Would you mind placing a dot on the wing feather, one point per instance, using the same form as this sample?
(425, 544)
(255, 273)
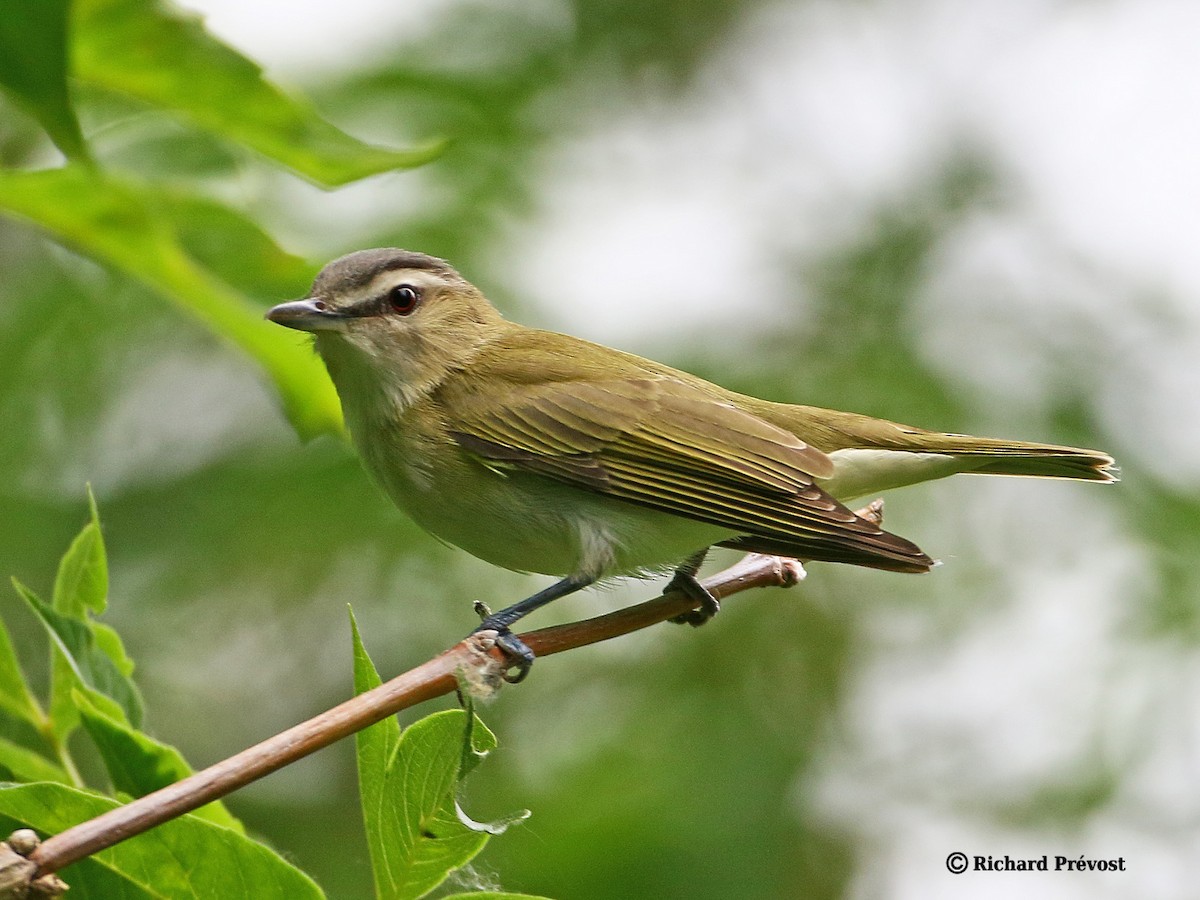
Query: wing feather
(664, 444)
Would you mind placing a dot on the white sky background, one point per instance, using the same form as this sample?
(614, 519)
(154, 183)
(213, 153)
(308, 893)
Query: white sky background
(792, 135)
(1093, 105)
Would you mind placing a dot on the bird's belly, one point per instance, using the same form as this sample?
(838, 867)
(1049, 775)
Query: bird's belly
(532, 524)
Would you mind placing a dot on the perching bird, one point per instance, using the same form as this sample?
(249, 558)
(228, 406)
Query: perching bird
(541, 452)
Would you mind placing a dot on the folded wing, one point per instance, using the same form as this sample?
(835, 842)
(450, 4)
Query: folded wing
(662, 443)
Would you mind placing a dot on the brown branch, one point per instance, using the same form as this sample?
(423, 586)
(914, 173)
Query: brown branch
(474, 662)
(476, 659)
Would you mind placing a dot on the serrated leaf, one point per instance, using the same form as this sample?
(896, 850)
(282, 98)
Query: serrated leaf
(89, 665)
(136, 762)
(82, 579)
(183, 859)
(147, 50)
(33, 66)
(15, 698)
(130, 227)
(19, 763)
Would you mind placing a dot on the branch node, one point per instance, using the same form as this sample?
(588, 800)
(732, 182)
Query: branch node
(24, 841)
(48, 886)
(791, 571)
(16, 874)
(480, 665)
(481, 671)
(17, 881)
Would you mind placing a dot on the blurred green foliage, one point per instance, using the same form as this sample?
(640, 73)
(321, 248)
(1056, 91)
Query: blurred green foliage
(33, 67)
(91, 686)
(409, 781)
(673, 764)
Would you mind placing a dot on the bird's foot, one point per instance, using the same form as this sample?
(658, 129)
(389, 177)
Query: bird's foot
(520, 657)
(687, 584)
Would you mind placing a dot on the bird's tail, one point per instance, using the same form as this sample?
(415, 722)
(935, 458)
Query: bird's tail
(988, 456)
(834, 431)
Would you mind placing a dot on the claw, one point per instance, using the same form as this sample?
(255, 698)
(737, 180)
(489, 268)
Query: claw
(687, 584)
(520, 657)
(518, 652)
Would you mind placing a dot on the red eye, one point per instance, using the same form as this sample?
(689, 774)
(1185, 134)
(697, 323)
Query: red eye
(403, 298)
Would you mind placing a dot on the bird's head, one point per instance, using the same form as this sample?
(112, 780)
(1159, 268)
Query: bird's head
(392, 318)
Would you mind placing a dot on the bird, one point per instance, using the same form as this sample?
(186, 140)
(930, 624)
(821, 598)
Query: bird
(541, 452)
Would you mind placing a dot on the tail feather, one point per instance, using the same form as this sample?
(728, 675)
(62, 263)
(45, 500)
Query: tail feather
(999, 457)
(1084, 467)
(836, 432)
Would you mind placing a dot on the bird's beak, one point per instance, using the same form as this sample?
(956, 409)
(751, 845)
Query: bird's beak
(311, 314)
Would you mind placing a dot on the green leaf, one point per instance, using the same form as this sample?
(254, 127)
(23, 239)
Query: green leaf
(374, 747)
(80, 584)
(89, 665)
(183, 859)
(418, 823)
(408, 781)
(19, 763)
(494, 895)
(146, 50)
(15, 698)
(82, 580)
(33, 66)
(110, 644)
(235, 248)
(130, 227)
(136, 763)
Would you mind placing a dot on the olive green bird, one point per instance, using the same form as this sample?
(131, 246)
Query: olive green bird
(541, 452)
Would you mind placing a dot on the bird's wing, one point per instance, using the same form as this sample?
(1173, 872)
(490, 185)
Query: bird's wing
(665, 444)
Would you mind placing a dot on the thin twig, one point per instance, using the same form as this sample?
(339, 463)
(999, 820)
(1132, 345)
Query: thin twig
(474, 661)
(476, 658)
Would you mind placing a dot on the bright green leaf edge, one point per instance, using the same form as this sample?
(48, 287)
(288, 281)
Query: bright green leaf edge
(82, 579)
(407, 784)
(184, 858)
(126, 225)
(33, 67)
(143, 49)
(15, 698)
(373, 750)
(24, 764)
(136, 763)
(425, 838)
(89, 664)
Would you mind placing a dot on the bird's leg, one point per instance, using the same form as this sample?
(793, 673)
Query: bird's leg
(500, 622)
(686, 583)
